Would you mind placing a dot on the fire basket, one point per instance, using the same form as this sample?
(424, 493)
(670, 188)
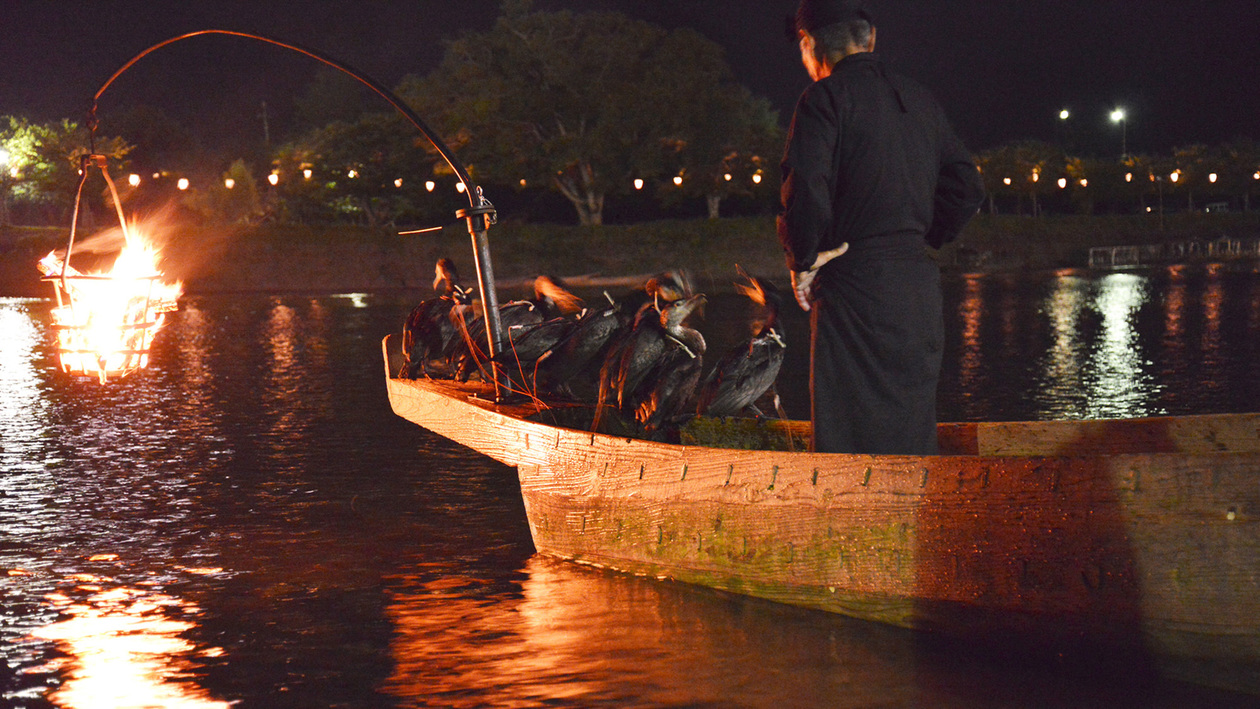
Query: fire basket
(105, 323)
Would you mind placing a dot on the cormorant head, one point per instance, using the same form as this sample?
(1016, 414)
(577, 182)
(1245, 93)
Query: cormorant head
(765, 294)
(674, 284)
(550, 290)
(755, 290)
(444, 273)
(673, 315)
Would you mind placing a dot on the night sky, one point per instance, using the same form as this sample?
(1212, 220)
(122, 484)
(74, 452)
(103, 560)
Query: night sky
(1186, 71)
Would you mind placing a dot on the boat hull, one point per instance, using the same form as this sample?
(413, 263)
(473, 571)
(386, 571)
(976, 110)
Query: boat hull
(1154, 553)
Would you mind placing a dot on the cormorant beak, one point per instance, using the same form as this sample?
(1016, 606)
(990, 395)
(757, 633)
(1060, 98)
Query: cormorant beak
(693, 306)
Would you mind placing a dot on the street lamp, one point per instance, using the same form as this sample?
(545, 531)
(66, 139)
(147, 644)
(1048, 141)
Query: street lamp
(1064, 134)
(1118, 116)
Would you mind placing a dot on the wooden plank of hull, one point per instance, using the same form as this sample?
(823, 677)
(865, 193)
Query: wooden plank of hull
(1156, 552)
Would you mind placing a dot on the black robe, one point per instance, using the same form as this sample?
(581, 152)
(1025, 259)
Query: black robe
(871, 160)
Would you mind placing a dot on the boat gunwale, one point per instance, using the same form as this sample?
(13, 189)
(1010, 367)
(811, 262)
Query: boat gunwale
(469, 394)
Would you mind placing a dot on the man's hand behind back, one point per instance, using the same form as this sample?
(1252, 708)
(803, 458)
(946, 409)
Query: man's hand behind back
(803, 281)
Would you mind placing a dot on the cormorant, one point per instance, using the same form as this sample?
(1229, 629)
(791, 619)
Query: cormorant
(572, 366)
(551, 299)
(428, 328)
(523, 354)
(750, 368)
(654, 370)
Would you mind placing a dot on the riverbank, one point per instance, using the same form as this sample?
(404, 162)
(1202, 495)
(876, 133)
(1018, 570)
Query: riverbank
(279, 258)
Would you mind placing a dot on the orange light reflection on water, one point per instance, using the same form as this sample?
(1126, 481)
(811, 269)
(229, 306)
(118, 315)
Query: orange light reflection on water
(124, 649)
(970, 309)
(1213, 306)
(583, 637)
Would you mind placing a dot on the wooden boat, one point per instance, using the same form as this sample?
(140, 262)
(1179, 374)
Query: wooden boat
(1128, 535)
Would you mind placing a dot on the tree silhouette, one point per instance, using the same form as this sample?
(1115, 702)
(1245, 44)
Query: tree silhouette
(372, 171)
(585, 103)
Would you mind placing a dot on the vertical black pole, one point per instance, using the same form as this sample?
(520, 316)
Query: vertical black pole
(479, 220)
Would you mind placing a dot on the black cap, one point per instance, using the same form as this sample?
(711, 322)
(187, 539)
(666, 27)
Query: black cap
(812, 14)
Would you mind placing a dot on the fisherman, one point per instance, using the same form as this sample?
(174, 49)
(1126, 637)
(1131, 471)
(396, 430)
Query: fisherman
(871, 171)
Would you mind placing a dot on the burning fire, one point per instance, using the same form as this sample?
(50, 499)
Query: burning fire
(105, 322)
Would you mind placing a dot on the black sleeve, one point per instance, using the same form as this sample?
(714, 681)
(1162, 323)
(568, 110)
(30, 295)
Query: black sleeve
(959, 191)
(808, 182)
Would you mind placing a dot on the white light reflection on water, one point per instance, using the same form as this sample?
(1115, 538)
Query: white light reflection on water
(1062, 363)
(25, 481)
(1119, 385)
(358, 300)
(20, 399)
(123, 648)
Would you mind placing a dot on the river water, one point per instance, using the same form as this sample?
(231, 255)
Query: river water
(247, 524)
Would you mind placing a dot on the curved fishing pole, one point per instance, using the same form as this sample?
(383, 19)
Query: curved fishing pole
(479, 215)
(403, 108)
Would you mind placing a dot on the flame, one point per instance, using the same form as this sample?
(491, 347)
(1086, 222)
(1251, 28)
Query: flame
(106, 322)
